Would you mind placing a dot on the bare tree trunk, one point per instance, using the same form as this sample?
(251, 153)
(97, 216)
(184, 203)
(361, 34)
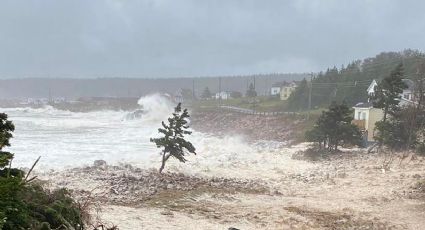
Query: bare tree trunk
(164, 159)
(385, 114)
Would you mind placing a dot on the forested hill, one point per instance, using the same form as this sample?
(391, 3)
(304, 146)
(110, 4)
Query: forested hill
(349, 83)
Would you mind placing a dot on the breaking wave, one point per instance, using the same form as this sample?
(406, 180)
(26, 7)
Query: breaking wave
(66, 139)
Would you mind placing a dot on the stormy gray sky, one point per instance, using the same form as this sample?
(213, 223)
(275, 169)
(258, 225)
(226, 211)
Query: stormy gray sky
(172, 38)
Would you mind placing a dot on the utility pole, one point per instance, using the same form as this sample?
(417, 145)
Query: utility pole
(50, 95)
(219, 92)
(309, 96)
(193, 89)
(255, 96)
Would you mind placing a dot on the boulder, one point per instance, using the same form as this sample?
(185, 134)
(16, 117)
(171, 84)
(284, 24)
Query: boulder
(99, 163)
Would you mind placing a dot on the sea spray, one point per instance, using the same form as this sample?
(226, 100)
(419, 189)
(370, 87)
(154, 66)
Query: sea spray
(66, 139)
(156, 107)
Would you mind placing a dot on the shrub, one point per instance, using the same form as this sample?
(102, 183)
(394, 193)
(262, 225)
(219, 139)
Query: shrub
(26, 205)
(420, 149)
(334, 128)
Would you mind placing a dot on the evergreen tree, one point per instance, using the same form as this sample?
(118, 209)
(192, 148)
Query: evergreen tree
(333, 128)
(6, 129)
(387, 93)
(350, 82)
(404, 126)
(399, 131)
(172, 142)
(251, 91)
(206, 94)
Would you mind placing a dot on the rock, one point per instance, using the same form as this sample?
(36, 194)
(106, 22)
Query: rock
(167, 213)
(342, 175)
(128, 166)
(99, 163)
(416, 176)
(276, 192)
(114, 191)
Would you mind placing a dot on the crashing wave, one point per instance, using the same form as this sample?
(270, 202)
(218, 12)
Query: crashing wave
(137, 114)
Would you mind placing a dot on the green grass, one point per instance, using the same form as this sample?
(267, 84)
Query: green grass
(262, 104)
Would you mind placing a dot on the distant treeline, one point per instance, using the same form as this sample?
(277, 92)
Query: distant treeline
(349, 83)
(133, 87)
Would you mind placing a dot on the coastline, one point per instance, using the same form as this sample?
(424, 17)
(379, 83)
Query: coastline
(329, 194)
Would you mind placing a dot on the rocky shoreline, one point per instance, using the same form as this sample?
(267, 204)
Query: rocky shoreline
(346, 191)
(283, 128)
(130, 186)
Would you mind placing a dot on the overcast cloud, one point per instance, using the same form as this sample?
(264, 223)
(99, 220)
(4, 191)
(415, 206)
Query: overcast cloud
(172, 38)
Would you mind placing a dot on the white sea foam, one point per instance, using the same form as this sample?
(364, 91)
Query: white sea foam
(65, 139)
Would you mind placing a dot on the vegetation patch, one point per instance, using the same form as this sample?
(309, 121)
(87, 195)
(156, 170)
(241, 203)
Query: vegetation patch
(329, 220)
(311, 154)
(24, 203)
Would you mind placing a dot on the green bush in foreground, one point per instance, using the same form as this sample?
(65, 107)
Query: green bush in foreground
(29, 206)
(26, 205)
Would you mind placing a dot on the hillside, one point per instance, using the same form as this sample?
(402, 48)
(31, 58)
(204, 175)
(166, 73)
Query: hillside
(350, 82)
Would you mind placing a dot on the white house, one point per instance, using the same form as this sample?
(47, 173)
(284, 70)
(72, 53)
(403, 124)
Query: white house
(287, 90)
(283, 89)
(275, 89)
(365, 116)
(371, 88)
(406, 96)
(224, 95)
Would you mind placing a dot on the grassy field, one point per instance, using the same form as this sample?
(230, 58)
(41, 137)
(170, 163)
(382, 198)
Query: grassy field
(260, 104)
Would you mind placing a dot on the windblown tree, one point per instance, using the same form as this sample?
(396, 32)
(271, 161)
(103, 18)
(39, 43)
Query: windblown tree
(387, 93)
(404, 125)
(387, 97)
(333, 128)
(400, 131)
(173, 141)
